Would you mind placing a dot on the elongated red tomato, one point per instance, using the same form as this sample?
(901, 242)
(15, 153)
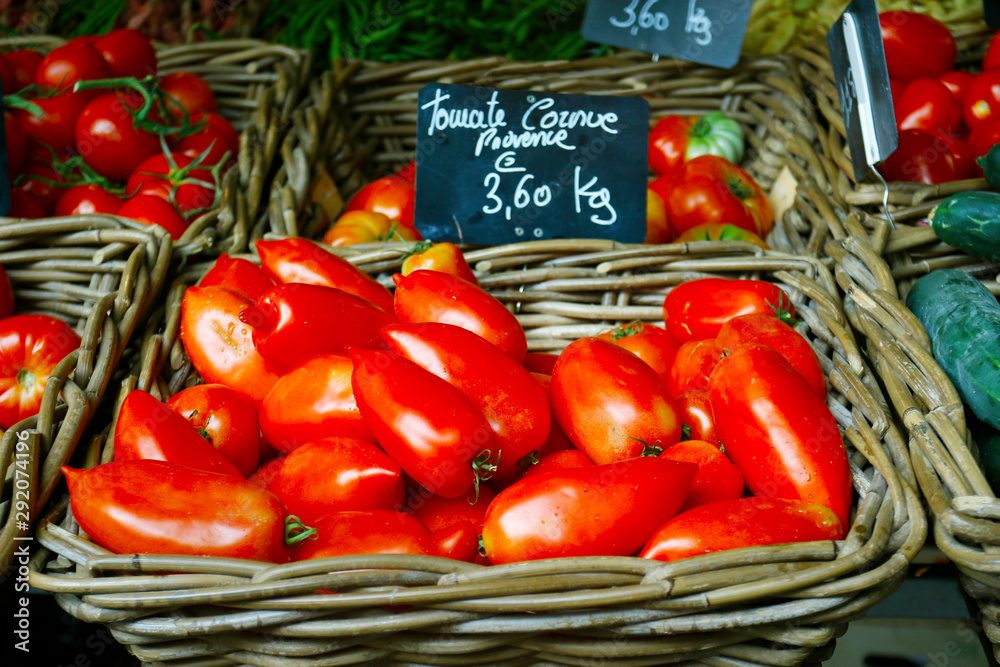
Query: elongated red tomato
(223, 418)
(392, 196)
(446, 518)
(335, 475)
(155, 507)
(717, 479)
(295, 322)
(149, 430)
(426, 425)
(296, 260)
(432, 296)
(220, 346)
(31, 346)
(512, 401)
(696, 413)
(444, 257)
(778, 431)
(540, 362)
(237, 275)
(604, 510)
(767, 330)
(459, 541)
(697, 309)
(611, 403)
(366, 532)
(557, 440)
(745, 522)
(313, 401)
(650, 343)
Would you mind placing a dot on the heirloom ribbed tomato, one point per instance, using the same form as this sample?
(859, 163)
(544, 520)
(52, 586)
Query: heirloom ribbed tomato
(427, 426)
(745, 522)
(611, 403)
(149, 430)
(779, 431)
(433, 296)
(154, 507)
(312, 401)
(31, 346)
(604, 510)
(512, 400)
(295, 260)
(696, 310)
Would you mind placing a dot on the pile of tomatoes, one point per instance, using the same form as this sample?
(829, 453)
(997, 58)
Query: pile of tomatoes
(340, 418)
(946, 118)
(700, 193)
(31, 346)
(91, 128)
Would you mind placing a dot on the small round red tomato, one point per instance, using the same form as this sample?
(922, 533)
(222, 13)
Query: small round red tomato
(696, 413)
(392, 196)
(979, 144)
(30, 348)
(88, 198)
(39, 179)
(920, 158)
(916, 45)
(57, 127)
(961, 154)
(7, 77)
(693, 364)
(23, 64)
(928, 105)
(650, 343)
(697, 309)
(992, 58)
(981, 104)
(188, 92)
(127, 53)
(957, 82)
(337, 475)
(152, 210)
(712, 189)
(24, 205)
(225, 419)
(73, 61)
(658, 229)
(217, 137)
(611, 403)
(173, 178)
(107, 136)
(312, 401)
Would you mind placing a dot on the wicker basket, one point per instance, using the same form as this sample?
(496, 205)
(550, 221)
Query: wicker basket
(100, 275)
(257, 85)
(362, 120)
(777, 605)
(911, 249)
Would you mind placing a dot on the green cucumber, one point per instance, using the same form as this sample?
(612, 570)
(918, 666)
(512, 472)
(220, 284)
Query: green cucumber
(991, 166)
(962, 319)
(970, 221)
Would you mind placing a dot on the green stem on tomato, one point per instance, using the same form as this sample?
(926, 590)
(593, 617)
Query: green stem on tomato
(483, 467)
(297, 532)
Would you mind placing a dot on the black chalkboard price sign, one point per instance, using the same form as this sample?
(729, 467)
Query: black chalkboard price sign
(991, 12)
(502, 166)
(702, 31)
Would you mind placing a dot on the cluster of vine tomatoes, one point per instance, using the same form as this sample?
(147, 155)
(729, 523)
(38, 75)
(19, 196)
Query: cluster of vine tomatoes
(946, 118)
(340, 418)
(92, 128)
(31, 346)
